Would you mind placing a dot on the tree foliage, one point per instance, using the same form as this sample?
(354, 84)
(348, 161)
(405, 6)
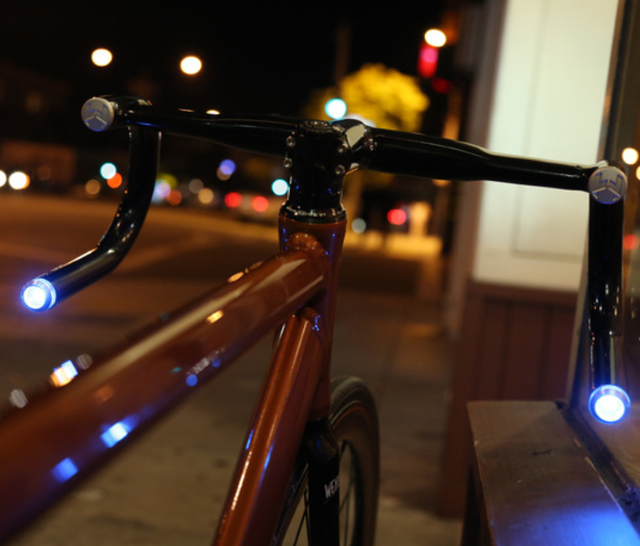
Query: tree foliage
(383, 96)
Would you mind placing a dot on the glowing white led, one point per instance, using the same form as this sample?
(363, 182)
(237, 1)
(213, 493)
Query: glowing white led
(39, 295)
(609, 403)
(115, 433)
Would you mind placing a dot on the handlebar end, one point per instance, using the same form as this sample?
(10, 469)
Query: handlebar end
(608, 185)
(98, 114)
(609, 403)
(39, 295)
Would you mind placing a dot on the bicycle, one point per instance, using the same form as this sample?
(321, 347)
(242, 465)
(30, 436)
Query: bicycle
(308, 430)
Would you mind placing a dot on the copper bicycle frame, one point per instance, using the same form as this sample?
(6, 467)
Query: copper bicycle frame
(61, 436)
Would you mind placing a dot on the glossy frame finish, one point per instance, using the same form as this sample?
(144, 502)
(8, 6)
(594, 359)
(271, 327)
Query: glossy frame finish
(49, 445)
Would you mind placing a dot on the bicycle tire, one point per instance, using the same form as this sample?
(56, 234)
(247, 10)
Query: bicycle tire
(354, 421)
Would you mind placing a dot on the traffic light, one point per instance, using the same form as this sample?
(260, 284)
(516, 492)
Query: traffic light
(435, 61)
(428, 60)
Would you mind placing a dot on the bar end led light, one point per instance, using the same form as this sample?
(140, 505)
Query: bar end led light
(38, 295)
(609, 403)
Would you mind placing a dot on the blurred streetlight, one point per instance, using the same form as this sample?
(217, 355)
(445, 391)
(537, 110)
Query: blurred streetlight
(191, 65)
(435, 37)
(101, 57)
(280, 187)
(336, 108)
(19, 180)
(630, 156)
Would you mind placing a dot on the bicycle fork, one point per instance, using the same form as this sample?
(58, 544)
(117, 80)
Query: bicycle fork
(323, 455)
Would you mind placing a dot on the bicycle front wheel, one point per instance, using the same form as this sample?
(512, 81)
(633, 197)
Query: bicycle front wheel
(354, 422)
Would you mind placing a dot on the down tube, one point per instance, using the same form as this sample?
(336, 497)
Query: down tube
(264, 470)
(61, 436)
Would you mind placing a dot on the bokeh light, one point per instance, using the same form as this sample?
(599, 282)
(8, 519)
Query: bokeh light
(161, 191)
(191, 65)
(397, 217)
(196, 185)
(259, 203)
(233, 200)
(115, 181)
(280, 187)
(336, 108)
(630, 156)
(206, 196)
(174, 198)
(435, 37)
(108, 170)
(92, 188)
(359, 225)
(19, 180)
(101, 57)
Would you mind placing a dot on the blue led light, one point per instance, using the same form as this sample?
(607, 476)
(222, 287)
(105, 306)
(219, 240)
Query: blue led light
(64, 470)
(227, 167)
(39, 295)
(246, 447)
(115, 434)
(609, 403)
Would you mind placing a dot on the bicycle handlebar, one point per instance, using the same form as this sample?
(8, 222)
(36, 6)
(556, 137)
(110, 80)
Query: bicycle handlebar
(366, 148)
(318, 155)
(45, 291)
(389, 151)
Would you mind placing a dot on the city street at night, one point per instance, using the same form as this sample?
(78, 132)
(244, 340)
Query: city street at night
(168, 488)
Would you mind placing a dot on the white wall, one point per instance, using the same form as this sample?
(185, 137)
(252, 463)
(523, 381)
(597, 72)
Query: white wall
(548, 103)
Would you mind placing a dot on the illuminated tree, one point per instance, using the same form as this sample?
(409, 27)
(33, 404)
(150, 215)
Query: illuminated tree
(383, 96)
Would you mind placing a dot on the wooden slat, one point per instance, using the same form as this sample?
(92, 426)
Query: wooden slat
(525, 347)
(536, 481)
(553, 372)
(499, 349)
(453, 482)
(489, 366)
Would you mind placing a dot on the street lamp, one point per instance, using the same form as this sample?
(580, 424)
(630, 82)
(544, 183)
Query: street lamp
(434, 40)
(335, 108)
(101, 57)
(191, 65)
(435, 37)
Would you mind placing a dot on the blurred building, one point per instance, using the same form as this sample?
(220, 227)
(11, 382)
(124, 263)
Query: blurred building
(35, 134)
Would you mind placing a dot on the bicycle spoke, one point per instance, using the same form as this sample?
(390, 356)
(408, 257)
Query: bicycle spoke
(346, 501)
(304, 520)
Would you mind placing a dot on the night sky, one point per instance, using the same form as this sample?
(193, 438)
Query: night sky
(258, 56)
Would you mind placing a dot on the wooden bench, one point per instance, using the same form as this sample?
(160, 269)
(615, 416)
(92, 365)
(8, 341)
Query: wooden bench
(542, 475)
